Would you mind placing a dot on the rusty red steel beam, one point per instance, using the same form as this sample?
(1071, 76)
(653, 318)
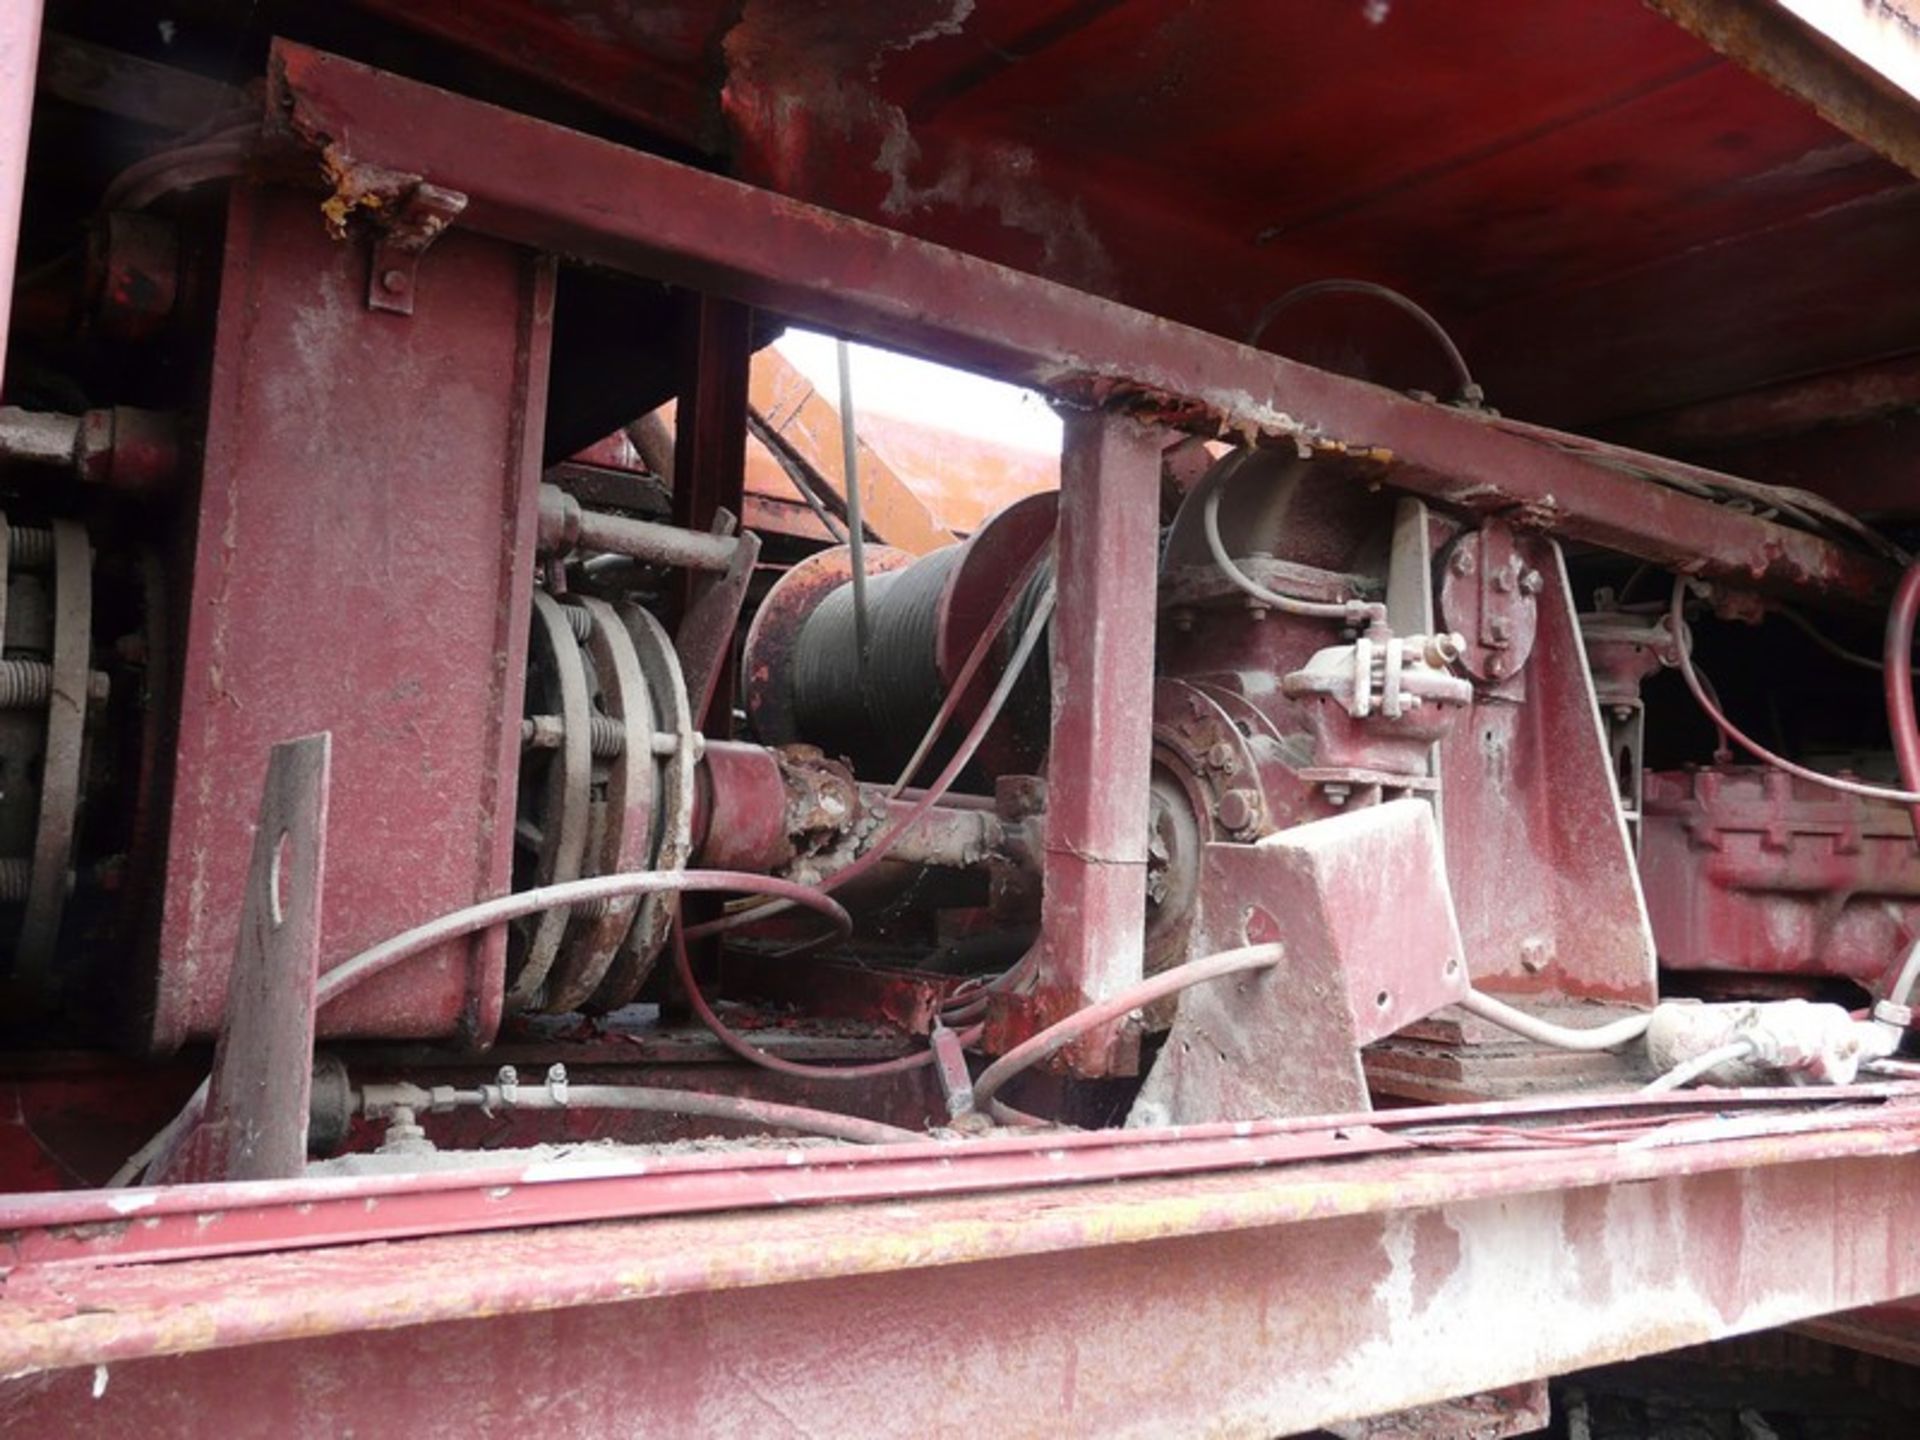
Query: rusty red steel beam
(542, 185)
(1304, 1295)
(1857, 65)
(196, 1221)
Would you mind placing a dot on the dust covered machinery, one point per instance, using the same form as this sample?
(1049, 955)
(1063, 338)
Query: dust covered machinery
(402, 781)
(1380, 775)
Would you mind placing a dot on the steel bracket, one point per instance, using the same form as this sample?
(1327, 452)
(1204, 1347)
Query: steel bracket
(1361, 903)
(257, 1110)
(407, 234)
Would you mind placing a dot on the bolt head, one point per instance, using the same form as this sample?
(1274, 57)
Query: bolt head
(1462, 562)
(1238, 809)
(1496, 666)
(1531, 582)
(393, 281)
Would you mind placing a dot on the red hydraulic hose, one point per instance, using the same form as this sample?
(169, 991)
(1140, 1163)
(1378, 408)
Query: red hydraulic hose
(1897, 663)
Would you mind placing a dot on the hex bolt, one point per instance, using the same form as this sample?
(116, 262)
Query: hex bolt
(1238, 809)
(1535, 953)
(1500, 628)
(1496, 666)
(1531, 581)
(1462, 562)
(1503, 582)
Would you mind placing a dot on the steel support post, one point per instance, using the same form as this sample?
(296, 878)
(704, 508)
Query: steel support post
(709, 477)
(1093, 920)
(19, 56)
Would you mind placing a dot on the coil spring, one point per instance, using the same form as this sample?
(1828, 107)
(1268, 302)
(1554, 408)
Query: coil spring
(30, 548)
(606, 736)
(24, 683)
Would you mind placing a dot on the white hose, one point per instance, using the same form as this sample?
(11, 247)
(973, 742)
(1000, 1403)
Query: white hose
(1561, 1037)
(1687, 1071)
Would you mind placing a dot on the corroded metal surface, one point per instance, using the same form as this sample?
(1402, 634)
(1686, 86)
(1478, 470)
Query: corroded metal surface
(1360, 902)
(1543, 874)
(645, 214)
(325, 480)
(1305, 1294)
(1099, 757)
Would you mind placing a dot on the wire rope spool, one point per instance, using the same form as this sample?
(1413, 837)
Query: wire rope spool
(809, 682)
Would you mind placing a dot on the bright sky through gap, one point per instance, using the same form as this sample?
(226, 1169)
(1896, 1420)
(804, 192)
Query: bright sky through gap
(897, 385)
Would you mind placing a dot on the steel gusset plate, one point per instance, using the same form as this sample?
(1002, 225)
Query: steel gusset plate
(556, 684)
(667, 688)
(625, 810)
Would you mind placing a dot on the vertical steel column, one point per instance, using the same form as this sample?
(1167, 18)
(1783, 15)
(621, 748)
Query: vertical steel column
(710, 456)
(1093, 916)
(19, 54)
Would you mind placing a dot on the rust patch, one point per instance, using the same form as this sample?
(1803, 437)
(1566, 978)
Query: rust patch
(356, 186)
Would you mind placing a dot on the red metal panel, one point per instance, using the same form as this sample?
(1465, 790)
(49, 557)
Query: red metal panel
(1106, 557)
(639, 212)
(362, 566)
(1261, 1302)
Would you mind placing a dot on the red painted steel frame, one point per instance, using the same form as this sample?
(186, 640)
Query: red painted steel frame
(1262, 1279)
(1277, 1293)
(338, 586)
(556, 189)
(1093, 915)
